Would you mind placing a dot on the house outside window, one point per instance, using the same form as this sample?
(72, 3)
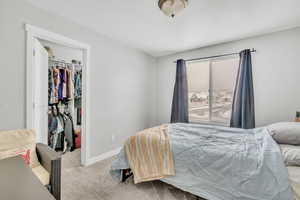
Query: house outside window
(210, 90)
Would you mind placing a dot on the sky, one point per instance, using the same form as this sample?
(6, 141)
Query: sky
(223, 74)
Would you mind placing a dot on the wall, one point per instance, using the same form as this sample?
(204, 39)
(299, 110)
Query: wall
(122, 79)
(276, 70)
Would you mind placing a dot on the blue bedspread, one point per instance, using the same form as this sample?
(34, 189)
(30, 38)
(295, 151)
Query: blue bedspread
(220, 163)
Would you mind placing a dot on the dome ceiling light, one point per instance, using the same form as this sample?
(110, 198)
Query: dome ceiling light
(172, 7)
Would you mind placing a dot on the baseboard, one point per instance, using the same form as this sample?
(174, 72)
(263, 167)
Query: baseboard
(103, 156)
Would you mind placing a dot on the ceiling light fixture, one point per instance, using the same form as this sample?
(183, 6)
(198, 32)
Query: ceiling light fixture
(172, 7)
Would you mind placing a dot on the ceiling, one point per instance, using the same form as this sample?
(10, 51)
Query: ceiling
(140, 24)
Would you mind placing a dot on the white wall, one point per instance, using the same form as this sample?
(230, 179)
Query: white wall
(276, 71)
(122, 79)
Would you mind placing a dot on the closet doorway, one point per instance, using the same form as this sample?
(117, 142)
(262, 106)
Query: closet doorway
(57, 90)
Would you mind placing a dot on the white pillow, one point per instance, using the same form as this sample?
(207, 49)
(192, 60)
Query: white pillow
(285, 132)
(291, 154)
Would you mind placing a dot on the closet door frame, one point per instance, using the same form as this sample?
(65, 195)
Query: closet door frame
(33, 32)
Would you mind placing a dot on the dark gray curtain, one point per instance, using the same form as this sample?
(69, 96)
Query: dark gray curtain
(243, 114)
(180, 111)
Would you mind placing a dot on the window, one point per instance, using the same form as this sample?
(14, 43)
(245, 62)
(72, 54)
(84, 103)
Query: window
(210, 90)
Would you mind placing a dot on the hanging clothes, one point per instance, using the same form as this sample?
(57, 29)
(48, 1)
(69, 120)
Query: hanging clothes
(51, 96)
(79, 114)
(62, 89)
(69, 132)
(61, 128)
(64, 82)
(70, 84)
(64, 95)
(62, 85)
(56, 129)
(54, 80)
(77, 84)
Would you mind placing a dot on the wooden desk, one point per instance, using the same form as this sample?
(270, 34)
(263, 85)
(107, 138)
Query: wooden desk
(17, 182)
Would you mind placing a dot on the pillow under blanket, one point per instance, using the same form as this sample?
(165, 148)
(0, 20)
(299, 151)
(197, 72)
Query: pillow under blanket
(291, 154)
(285, 132)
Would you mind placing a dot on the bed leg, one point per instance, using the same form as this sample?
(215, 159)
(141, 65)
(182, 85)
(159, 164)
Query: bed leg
(126, 173)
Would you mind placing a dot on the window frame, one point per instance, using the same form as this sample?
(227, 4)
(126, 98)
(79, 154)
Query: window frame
(210, 90)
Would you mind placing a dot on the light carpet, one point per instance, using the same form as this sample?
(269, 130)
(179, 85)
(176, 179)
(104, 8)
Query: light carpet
(95, 183)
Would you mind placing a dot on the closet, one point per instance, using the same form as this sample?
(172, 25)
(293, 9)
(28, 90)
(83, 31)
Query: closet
(64, 97)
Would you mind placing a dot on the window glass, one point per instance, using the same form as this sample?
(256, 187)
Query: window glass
(210, 90)
(222, 84)
(198, 86)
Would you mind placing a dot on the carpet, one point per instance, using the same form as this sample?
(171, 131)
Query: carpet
(95, 183)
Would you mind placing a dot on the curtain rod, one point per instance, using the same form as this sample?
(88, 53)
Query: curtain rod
(216, 56)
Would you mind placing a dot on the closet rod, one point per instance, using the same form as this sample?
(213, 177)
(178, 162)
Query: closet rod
(216, 56)
(60, 61)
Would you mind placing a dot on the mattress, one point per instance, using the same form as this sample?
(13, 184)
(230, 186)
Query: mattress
(294, 176)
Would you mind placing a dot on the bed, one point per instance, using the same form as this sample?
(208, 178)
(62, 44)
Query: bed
(294, 176)
(219, 163)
